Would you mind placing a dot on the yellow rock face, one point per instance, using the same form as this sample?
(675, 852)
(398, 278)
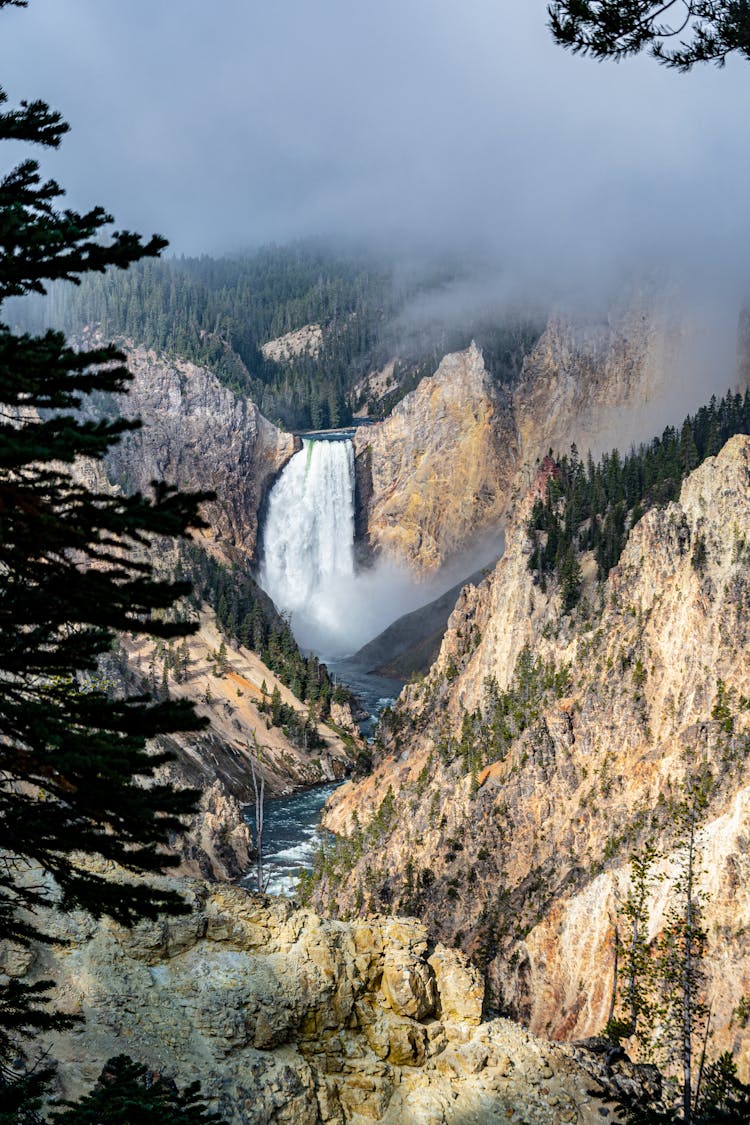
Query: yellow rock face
(287, 1018)
(438, 465)
(524, 865)
(446, 467)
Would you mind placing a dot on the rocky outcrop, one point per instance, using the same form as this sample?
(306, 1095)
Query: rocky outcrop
(307, 340)
(287, 1018)
(198, 435)
(523, 862)
(446, 467)
(218, 843)
(437, 464)
(410, 645)
(375, 386)
(598, 384)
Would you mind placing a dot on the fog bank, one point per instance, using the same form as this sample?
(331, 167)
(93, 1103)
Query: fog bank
(412, 125)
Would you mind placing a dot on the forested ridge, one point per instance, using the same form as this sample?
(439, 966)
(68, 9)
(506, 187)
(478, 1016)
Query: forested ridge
(220, 311)
(591, 506)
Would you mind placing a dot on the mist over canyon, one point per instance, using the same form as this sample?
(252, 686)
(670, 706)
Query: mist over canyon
(374, 563)
(309, 559)
(539, 700)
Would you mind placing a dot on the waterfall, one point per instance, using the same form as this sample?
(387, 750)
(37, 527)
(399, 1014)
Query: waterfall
(307, 558)
(308, 542)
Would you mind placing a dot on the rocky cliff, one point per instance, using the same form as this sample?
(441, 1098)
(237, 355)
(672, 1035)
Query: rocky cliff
(287, 1018)
(217, 761)
(198, 435)
(542, 749)
(435, 468)
(444, 469)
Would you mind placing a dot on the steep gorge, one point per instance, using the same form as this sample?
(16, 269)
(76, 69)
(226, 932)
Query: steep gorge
(523, 862)
(199, 435)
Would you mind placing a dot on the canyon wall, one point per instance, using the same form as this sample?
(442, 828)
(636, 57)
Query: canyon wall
(445, 468)
(525, 862)
(287, 1018)
(435, 468)
(217, 761)
(199, 435)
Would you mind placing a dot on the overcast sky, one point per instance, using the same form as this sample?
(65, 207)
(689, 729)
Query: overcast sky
(227, 124)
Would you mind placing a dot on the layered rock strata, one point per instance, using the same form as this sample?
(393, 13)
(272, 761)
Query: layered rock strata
(524, 863)
(240, 738)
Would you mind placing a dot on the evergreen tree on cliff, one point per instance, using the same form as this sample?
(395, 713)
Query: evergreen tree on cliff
(73, 570)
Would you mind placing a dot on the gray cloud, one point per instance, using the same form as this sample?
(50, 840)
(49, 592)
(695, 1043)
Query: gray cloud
(418, 122)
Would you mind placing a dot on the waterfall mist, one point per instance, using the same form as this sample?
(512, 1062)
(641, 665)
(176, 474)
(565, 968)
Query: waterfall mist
(308, 565)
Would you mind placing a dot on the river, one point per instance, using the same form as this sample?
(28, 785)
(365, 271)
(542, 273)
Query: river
(291, 825)
(309, 570)
(291, 834)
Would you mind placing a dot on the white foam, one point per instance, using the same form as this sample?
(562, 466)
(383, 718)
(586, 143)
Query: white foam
(282, 885)
(299, 854)
(308, 564)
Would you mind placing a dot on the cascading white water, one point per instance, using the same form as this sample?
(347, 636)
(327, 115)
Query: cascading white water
(307, 563)
(308, 542)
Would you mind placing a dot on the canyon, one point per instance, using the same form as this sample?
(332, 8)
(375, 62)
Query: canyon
(432, 528)
(645, 685)
(201, 436)
(514, 865)
(446, 467)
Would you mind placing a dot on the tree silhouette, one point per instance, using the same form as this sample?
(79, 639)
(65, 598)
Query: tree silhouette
(702, 30)
(76, 777)
(126, 1093)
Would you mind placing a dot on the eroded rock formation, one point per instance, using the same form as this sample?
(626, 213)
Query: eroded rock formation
(445, 468)
(198, 435)
(523, 863)
(287, 1018)
(437, 465)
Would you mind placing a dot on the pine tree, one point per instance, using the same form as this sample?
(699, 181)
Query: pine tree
(635, 969)
(724, 1100)
(678, 33)
(570, 581)
(75, 569)
(689, 456)
(665, 991)
(682, 1009)
(275, 705)
(125, 1095)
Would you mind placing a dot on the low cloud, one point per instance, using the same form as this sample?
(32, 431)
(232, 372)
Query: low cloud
(417, 125)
